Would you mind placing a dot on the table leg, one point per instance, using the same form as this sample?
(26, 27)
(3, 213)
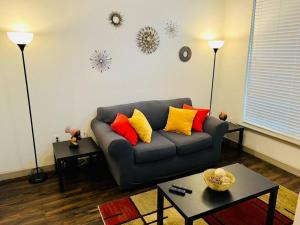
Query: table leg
(272, 205)
(90, 160)
(160, 207)
(55, 164)
(241, 137)
(188, 222)
(60, 175)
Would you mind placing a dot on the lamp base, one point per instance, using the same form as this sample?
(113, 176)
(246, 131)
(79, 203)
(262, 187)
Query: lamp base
(35, 178)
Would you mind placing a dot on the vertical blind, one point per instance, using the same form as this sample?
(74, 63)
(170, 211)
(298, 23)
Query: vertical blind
(272, 98)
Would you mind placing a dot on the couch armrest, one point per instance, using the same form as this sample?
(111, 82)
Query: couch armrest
(111, 143)
(216, 128)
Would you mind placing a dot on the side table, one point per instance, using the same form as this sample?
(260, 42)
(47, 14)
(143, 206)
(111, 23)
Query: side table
(62, 153)
(237, 128)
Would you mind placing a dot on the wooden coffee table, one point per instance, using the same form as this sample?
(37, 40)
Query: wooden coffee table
(204, 201)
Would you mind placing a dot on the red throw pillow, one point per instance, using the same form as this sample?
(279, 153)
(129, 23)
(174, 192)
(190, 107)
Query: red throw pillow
(199, 118)
(122, 126)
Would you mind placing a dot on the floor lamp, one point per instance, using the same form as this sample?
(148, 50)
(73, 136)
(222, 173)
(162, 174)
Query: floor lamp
(22, 39)
(215, 45)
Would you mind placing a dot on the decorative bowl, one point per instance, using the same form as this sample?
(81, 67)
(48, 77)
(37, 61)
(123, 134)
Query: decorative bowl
(212, 181)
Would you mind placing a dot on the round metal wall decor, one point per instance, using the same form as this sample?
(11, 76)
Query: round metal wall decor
(147, 40)
(185, 54)
(116, 19)
(100, 60)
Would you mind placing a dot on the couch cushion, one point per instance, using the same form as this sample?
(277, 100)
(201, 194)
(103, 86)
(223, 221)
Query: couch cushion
(188, 144)
(180, 120)
(159, 148)
(122, 126)
(141, 125)
(156, 111)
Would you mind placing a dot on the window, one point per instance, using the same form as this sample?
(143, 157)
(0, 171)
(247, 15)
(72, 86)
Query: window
(272, 98)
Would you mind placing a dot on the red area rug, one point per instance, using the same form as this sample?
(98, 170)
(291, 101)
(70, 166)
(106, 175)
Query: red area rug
(251, 212)
(141, 209)
(119, 211)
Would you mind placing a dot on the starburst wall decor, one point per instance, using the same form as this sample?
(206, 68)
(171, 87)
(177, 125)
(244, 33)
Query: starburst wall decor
(171, 29)
(147, 40)
(100, 60)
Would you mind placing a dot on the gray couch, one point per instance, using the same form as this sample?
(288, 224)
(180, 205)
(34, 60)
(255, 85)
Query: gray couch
(168, 154)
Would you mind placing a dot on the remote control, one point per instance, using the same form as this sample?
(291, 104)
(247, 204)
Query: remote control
(186, 189)
(177, 191)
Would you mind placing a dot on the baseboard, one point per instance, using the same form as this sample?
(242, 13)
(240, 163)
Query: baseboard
(275, 162)
(268, 159)
(23, 173)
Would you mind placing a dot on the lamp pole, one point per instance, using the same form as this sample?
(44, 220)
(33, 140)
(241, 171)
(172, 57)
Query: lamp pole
(212, 80)
(21, 39)
(215, 45)
(22, 47)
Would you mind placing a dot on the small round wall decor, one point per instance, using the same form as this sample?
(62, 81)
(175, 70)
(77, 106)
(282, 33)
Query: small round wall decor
(116, 19)
(147, 40)
(185, 54)
(100, 60)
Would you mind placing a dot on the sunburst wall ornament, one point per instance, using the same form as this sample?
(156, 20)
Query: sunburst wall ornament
(147, 40)
(171, 29)
(100, 60)
(116, 19)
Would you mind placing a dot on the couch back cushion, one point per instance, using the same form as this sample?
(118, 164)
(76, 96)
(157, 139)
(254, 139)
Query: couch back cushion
(156, 111)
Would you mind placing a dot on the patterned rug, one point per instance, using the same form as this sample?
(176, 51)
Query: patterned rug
(140, 209)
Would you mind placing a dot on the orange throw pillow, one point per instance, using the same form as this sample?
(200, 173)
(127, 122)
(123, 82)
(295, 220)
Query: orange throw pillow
(199, 118)
(122, 126)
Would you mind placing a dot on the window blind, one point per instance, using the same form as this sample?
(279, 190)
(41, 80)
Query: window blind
(272, 98)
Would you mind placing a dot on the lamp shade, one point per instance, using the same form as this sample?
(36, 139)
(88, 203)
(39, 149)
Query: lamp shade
(20, 38)
(216, 44)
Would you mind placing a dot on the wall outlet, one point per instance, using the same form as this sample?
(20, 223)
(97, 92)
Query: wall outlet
(83, 134)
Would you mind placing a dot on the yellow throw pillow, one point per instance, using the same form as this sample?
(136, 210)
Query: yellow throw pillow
(141, 125)
(180, 120)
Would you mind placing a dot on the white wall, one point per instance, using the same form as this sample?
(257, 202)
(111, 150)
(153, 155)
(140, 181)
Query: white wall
(66, 91)
(231, 79)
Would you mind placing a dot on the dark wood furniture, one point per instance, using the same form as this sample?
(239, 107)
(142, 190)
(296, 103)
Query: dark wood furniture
(237, 128)
(63, 153)
(204, 201)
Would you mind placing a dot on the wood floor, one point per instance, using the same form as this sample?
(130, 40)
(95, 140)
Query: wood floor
(24, 203)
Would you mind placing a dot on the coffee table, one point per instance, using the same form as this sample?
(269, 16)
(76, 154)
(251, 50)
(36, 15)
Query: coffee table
(204, 201)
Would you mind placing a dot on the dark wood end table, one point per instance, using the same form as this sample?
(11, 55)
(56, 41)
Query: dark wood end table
(62, 153)
(204, 201)
(237, 128)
